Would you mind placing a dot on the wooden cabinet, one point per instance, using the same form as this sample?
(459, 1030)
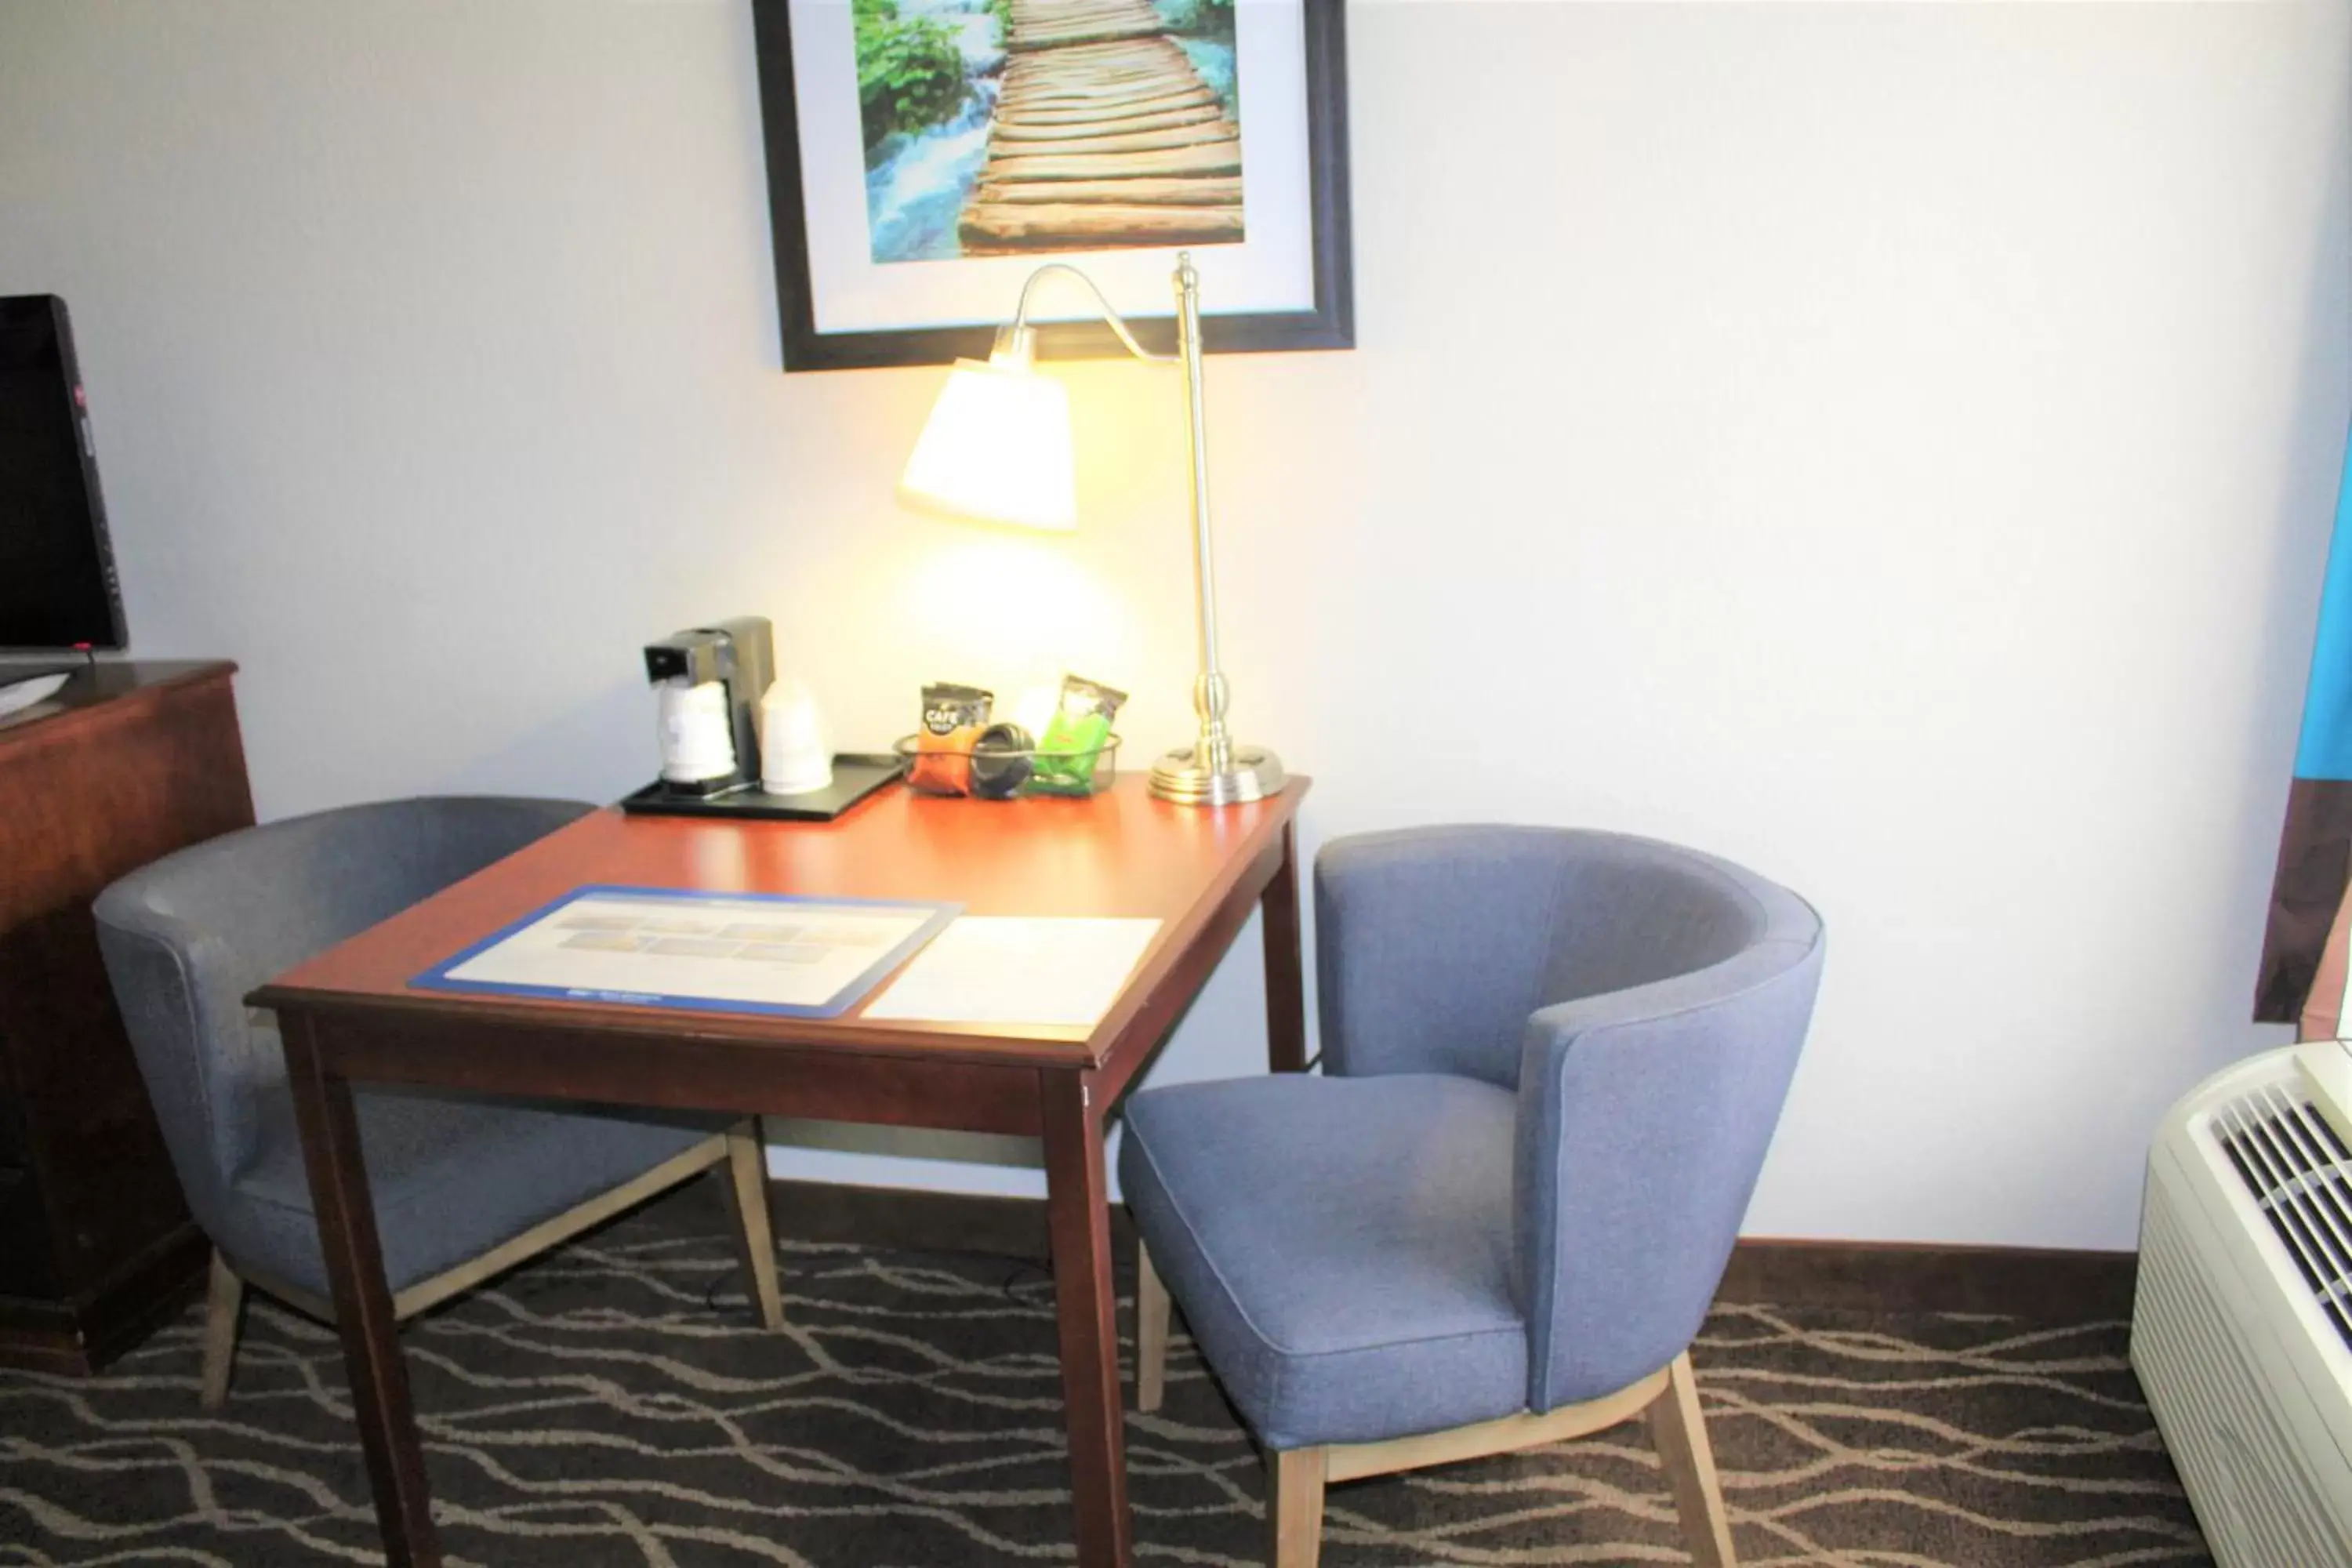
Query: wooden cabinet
(128, 763)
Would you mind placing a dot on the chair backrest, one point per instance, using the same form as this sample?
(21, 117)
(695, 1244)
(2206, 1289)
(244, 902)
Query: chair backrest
(1434, 944)
(1632, 911)
(186, 938)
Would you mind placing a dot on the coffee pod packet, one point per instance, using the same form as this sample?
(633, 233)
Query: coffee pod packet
(1073, 740)
(953, 717)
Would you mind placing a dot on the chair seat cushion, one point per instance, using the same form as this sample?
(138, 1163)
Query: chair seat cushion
(452, 1177)
(1340, 1247)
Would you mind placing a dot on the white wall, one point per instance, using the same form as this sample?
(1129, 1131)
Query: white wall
(1891, 446)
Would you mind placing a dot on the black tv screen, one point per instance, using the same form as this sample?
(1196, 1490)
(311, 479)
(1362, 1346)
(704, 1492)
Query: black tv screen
(56, 569)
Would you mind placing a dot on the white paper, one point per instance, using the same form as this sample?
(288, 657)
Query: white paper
(778, 953)
(999, 969)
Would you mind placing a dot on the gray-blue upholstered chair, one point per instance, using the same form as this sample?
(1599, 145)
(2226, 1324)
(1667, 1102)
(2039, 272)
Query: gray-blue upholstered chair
(463, 1187)
(1553, 1061)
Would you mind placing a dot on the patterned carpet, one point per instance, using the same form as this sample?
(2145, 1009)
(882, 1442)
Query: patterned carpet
(612, 1403)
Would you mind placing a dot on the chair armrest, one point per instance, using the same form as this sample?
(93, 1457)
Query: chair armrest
(1431, 946)
(1644, 1118)
(181, 992)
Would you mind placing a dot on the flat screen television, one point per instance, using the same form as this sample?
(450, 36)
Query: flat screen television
(57, 589)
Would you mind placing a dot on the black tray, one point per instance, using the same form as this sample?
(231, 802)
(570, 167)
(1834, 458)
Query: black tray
(855, 776)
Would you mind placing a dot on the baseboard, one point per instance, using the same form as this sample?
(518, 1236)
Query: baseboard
(912, 1220)
(1904, 1276)
(1884, 1276)
(77, 1338)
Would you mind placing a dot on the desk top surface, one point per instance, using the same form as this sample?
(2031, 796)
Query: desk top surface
(1119, 854)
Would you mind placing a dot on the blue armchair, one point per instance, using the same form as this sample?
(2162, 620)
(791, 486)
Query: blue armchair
(463, 1188)
(1553, 1061)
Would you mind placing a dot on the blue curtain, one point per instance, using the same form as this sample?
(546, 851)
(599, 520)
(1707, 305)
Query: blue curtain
(2316, 844)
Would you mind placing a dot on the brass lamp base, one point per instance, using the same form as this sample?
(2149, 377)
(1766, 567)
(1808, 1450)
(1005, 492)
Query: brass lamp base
(1256, 773)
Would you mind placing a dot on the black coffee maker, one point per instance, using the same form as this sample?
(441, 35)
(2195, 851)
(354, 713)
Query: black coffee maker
(711, 680)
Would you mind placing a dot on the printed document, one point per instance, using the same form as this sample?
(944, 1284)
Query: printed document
(718, 952)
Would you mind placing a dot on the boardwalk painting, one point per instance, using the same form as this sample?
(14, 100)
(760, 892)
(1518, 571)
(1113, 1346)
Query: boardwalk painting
(995, 127)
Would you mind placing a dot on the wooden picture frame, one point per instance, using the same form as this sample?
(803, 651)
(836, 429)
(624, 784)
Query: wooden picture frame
(1324, 321)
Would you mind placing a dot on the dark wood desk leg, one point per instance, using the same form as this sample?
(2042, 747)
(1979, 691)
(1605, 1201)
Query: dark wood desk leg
(1077, 1204)
(379, 1378)
(1286, 985)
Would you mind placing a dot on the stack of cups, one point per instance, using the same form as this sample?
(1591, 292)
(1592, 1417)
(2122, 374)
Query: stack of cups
(795, 753)
(697, 740)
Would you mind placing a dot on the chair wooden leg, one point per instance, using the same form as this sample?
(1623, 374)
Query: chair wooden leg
(1680, 1432)
(1151, 1332)
(224, 1300)
(747, 1165)
(1293, 1507)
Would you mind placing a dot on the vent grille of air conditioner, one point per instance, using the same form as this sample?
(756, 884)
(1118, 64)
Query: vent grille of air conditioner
(2295, 1168)
(2254, 1496)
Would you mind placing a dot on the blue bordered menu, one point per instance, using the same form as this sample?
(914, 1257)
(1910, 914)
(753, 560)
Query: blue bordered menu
(713, 953)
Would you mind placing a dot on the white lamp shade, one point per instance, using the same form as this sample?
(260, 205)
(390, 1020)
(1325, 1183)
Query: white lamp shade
(997, 448)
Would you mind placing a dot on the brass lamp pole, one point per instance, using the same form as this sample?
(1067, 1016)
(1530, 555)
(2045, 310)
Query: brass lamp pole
(991, 450)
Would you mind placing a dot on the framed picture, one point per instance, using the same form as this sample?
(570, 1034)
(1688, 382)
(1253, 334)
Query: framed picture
(926, 156)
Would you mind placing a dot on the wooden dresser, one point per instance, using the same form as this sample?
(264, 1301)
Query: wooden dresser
(128, 763)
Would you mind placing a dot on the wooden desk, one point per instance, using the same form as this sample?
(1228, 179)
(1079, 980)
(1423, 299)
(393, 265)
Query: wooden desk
(349, 1015)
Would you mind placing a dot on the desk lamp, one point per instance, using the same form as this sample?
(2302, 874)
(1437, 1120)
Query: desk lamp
(998, 448)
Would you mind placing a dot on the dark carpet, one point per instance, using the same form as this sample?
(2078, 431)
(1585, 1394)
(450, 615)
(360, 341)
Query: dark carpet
(613, 1404)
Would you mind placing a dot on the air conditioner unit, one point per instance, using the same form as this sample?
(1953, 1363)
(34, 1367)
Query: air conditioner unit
(2242, 1328)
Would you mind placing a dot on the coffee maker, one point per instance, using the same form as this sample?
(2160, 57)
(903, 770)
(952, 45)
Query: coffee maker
(711, 680)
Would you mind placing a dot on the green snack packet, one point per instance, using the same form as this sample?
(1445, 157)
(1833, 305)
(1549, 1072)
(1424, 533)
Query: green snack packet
(1073, 742)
